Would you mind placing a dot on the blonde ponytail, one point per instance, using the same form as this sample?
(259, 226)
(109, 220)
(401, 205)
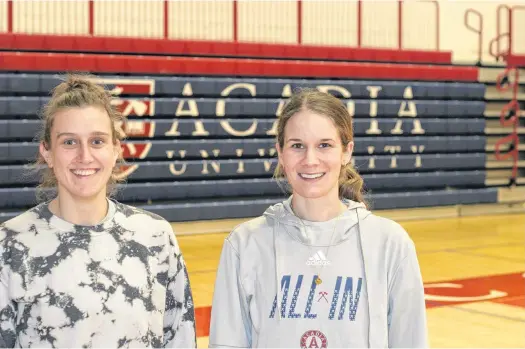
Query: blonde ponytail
(351, 184)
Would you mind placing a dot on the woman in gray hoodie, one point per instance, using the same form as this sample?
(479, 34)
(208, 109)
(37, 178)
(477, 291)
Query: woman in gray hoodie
(318, 269)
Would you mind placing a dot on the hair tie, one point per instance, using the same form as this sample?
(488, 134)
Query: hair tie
(75, 85)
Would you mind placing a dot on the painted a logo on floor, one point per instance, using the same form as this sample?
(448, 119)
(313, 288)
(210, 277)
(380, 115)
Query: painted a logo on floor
(344, 298)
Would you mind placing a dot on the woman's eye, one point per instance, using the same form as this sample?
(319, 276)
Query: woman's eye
(324, 145)
(297, 145)
(69, 142)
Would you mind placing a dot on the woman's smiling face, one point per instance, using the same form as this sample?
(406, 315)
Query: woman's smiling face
(312, 155)
(82, 153)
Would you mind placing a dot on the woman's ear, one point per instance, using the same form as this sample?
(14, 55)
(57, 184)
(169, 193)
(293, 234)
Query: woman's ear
(117, 151)
(46, 154)
(279, 154)
(347, 154)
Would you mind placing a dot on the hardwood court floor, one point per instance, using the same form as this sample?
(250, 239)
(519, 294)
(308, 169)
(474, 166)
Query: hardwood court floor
(473, 269)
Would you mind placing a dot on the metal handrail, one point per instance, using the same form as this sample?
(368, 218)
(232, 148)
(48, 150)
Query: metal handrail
(498, 54)
(513, 106)
(478, 31)
(499, 34)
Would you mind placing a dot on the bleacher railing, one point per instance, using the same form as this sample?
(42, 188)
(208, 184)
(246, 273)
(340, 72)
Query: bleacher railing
(509, 79)
(504, 33)
(509, 116)
(479, 30)
(358, 23)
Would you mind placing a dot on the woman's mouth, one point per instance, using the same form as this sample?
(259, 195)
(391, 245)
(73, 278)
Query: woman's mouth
(311, 176)
(84, 173)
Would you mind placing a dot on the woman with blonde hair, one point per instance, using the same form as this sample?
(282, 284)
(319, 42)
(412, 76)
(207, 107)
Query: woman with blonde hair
(81, 269)
(318, 269)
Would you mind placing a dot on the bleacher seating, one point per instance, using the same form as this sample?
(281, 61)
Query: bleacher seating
(213, 66)
(200, 129)
(202, 147)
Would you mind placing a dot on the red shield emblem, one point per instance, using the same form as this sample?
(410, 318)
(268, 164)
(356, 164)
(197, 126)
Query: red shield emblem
(138, 129)
(129, 87)
(125, 170)
(135, 150)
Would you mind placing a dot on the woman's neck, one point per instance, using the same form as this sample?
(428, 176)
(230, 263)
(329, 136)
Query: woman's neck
(80, 212)
(317, 210)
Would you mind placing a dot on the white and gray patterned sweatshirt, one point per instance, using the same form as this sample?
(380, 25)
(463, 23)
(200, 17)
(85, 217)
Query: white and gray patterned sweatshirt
(121, 283)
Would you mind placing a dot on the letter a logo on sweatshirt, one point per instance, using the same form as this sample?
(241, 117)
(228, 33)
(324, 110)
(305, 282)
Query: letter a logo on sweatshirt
(313, 339)
(318, 259)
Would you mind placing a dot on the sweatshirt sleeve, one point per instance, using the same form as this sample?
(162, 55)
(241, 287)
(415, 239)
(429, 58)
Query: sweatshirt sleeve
(230, 319)
(7, 318)
(179, 316)
(407, 323)
(8, 308)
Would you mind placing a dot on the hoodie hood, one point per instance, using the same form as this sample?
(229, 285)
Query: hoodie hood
(318, 234)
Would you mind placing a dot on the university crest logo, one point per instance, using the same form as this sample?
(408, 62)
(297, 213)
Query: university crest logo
(313, 339)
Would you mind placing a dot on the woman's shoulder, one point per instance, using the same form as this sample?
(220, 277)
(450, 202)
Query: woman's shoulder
(32, 217)
(387, 232)
(250, 230)
(126, 214)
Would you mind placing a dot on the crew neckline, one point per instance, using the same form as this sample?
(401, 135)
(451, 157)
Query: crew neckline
(99, 227)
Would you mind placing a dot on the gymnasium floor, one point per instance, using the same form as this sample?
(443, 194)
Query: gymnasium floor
(473, 268)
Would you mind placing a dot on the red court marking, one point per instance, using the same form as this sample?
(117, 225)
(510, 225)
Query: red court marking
(498, 288)
(518, 302)
(202, 319)
(507, 288)
(515, 301)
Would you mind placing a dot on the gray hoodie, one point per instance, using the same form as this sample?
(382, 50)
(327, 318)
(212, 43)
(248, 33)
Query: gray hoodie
(371, 294)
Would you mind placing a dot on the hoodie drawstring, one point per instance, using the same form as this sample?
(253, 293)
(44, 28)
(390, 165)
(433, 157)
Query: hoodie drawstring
(360, 240)
(277, 271)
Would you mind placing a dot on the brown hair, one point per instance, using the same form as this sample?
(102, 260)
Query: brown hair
(322, 103)
(76, 91)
